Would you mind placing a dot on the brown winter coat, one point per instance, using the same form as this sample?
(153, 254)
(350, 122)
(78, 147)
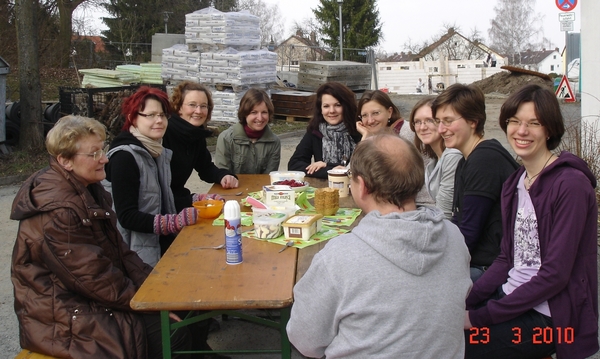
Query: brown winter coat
(72, 273)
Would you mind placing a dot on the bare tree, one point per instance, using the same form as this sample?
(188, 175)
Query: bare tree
(31, 130)
(515, 28)
(308, 26)
(271, 23)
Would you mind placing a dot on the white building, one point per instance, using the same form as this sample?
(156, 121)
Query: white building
(545, 61)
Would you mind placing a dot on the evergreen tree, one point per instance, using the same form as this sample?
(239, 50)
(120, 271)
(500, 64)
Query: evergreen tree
(361, 25)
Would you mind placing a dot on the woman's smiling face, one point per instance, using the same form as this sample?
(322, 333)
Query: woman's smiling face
(332, 110)
(374, 116)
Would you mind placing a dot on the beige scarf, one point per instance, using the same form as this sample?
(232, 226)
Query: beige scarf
(154, 147)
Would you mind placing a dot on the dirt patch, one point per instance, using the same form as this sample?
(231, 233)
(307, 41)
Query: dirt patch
(507, 82)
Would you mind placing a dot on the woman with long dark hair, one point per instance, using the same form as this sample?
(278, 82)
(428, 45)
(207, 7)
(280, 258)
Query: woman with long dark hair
(331, 134)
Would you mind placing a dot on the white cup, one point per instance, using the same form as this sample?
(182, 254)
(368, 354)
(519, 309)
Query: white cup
(338, 178)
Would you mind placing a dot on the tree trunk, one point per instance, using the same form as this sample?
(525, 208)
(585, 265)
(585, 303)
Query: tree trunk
(32, 133)
(65, 12)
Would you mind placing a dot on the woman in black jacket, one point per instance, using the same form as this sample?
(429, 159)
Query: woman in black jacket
(331, 134)
(186, 137)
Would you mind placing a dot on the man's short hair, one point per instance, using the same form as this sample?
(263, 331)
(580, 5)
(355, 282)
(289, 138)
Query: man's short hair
(391, 167)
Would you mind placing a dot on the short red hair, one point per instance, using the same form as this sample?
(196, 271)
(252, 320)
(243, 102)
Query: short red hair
(137, 102)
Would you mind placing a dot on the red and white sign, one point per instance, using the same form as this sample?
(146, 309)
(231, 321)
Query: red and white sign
(564, 90)
(566, 5)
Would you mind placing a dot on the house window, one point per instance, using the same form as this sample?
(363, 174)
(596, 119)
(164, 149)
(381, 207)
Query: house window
(554, 57)
(461, 67)
(551, 67)
(385, 68)
(433, 69)
(294, 63)
(404, 67)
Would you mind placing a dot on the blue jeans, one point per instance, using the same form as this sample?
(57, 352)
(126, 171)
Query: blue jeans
(477, 272)
(529, 335)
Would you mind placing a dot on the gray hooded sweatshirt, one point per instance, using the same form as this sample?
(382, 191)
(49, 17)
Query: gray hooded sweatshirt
(394, 287)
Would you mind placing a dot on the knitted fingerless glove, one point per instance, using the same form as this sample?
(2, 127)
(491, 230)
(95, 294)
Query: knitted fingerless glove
(202, 196)
(173, 223)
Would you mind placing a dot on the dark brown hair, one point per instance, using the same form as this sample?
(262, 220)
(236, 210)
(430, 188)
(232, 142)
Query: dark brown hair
(384, 100)
(546, 107)
(252, 98)
(346, 98)
(466, 100)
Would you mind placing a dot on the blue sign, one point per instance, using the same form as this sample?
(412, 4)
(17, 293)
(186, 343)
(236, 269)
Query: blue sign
(566, 5)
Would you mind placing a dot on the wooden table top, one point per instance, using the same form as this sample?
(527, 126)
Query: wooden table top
(187, 278)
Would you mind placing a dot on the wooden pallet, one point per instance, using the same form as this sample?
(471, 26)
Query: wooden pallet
(292, 118)
(293, 104)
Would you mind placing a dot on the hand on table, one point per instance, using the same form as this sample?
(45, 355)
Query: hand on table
(229, 181)
(314, 167)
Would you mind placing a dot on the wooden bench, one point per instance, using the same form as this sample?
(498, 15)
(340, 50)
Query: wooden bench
(28, 354)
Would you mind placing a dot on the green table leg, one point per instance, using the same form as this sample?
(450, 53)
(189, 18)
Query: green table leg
(286, 347)
(165, 331)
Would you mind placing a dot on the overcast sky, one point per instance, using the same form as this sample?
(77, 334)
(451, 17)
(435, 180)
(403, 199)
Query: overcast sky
(419, 20)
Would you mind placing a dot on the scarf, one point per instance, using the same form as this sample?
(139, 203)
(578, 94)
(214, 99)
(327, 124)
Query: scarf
(337, 143)
(254, 134)
(154, 147)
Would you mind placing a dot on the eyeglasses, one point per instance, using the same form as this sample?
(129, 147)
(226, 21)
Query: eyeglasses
(428, 122)
(96, 155)
(153, 116)
(195, 107)
(517, 123)
(446, 121)
(365, 116)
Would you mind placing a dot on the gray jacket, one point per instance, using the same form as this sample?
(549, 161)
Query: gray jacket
(155, 180)
(439, 179)
(393, 287)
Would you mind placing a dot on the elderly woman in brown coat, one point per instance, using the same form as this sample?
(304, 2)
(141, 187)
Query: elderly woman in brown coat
(72, 273)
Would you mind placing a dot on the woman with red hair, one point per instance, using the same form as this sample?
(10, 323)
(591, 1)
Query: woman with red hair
(139, 176)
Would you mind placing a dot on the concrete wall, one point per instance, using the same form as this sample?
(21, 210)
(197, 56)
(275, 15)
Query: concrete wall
(402, 77)
(163, 41)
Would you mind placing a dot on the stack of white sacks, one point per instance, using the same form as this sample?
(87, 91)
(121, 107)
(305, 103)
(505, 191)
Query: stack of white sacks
(222, 48)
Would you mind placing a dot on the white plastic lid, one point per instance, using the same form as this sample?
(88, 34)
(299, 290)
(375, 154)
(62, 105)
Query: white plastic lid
(231, 210)
(338, 171)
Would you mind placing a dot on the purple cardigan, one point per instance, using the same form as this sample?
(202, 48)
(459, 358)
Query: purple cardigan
(565, 205)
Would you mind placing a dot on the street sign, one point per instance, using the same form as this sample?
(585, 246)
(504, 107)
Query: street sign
(566, 16)
(566, 26)
(564, 90)
(566, 5)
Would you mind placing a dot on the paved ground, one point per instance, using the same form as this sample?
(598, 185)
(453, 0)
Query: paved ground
(233, 333)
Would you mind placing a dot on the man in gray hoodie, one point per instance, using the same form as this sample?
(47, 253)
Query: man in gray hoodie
(394, 287)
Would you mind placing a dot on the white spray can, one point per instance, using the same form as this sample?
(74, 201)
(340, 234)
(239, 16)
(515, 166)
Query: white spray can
(233, 232)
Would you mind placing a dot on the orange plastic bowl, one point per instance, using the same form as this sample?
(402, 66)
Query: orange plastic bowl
(208, 208)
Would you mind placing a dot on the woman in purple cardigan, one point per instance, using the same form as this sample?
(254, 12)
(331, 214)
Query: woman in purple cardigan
(540, 296)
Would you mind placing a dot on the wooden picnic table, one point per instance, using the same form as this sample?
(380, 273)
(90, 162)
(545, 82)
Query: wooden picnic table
(188, 278)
